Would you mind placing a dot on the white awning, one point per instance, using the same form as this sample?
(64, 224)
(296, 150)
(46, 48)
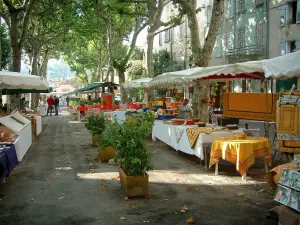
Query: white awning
(14, 80)
(139, 83)
(283, 67)
(170, 79)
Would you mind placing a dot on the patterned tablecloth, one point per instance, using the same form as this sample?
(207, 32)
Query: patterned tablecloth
(177, 136)
(241, 152)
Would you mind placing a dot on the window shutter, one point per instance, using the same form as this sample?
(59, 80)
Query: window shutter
(241, 39)
(298, 11)
(282, 15)
(230, 42)
(219, 46)
(259, 36)
(282, 48)
(298, 44)
(230, 8)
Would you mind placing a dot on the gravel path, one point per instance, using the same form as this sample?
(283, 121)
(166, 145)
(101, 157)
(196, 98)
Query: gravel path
(61, 182)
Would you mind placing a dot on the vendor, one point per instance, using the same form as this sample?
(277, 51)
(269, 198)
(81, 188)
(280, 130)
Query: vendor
(185, 110)
(168, 102)
(124, 105)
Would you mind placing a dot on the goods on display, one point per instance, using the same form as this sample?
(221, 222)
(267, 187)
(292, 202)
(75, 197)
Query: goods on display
(288, 189)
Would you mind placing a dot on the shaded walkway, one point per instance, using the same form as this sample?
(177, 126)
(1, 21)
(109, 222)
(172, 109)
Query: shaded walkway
(60, 182)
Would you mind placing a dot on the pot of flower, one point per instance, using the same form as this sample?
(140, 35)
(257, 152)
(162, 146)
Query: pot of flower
(133, 156)
(96, 125)
(106, 148)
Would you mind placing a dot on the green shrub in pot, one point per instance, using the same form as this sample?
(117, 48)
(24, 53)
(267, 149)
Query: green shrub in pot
(132, 154)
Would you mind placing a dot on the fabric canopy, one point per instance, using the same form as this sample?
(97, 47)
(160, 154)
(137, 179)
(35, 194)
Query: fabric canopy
(173, 78)
(252, 69)
(22, 82)
(283, 67)
(96, 85)
(139, 83)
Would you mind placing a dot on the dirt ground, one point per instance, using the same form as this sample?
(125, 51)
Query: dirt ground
(61, 182)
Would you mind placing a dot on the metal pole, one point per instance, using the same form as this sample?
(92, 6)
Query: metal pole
(267, 106)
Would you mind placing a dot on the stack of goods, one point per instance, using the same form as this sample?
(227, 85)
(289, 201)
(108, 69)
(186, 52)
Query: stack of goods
(7, 137)
(288, 132)
(296, 161)
(288, 189)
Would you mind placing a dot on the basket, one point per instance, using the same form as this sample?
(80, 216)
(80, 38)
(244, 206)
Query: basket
(190, 122)
(232, 127)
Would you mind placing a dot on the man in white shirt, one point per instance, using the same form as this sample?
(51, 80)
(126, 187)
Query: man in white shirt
(185, 110)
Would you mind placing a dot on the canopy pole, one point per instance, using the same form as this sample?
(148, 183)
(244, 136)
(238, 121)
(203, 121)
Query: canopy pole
(267, 112)
(198, 86)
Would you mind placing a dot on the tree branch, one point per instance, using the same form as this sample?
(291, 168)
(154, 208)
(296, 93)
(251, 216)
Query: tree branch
(134, 39)
(9, 5)
(26, 21)
(5, 17)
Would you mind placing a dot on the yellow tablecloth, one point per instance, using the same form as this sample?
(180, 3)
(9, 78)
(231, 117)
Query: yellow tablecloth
(241, 152)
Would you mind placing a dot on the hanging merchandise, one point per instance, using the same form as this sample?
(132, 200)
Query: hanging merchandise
(288, 117)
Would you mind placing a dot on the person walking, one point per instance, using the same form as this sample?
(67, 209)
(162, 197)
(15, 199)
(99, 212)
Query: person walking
(50, 102)
(68, 100)
(56, 104)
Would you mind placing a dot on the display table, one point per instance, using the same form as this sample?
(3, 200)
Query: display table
(176, 136)
(120, 115)
(42, 110)
(241, 152)
(8, 161)
(22, 126)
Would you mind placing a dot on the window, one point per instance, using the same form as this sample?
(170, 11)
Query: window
(290, 13)
(259, 33)
(282, 15)
(181, 31)
(167, 36)
(230, 9)
(229, 42)
(298, 12)
(160, 39)
(240, 6)
(241, 39)
(219, 46)
(172, 39)
(289, 46)
(174, 56)
(208, 12)
(258, 3)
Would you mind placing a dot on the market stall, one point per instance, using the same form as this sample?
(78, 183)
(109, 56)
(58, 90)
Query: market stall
(18, 124)
(241, 151)
(188, 139)
(8, 159)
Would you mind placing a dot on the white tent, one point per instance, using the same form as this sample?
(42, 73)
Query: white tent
(173, 78)
(245, 68)
(139, 83)
(283, 67)
(14, 80)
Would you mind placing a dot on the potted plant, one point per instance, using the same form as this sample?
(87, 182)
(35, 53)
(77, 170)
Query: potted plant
(133, 156)
(96, 125)
(106, 148)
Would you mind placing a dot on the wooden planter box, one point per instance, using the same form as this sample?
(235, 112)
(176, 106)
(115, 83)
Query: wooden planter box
(134, 186)
(95, 140)
(105, 154)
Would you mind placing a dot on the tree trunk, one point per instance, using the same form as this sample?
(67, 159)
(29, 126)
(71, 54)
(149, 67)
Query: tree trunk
(215, 23)
(121, 74)
(16, 48)
(150, 66)
(34, 65)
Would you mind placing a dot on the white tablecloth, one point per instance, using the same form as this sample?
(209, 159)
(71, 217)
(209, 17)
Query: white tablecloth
(120, 115)
(38, 121)
(166, 133)
(42, 110)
